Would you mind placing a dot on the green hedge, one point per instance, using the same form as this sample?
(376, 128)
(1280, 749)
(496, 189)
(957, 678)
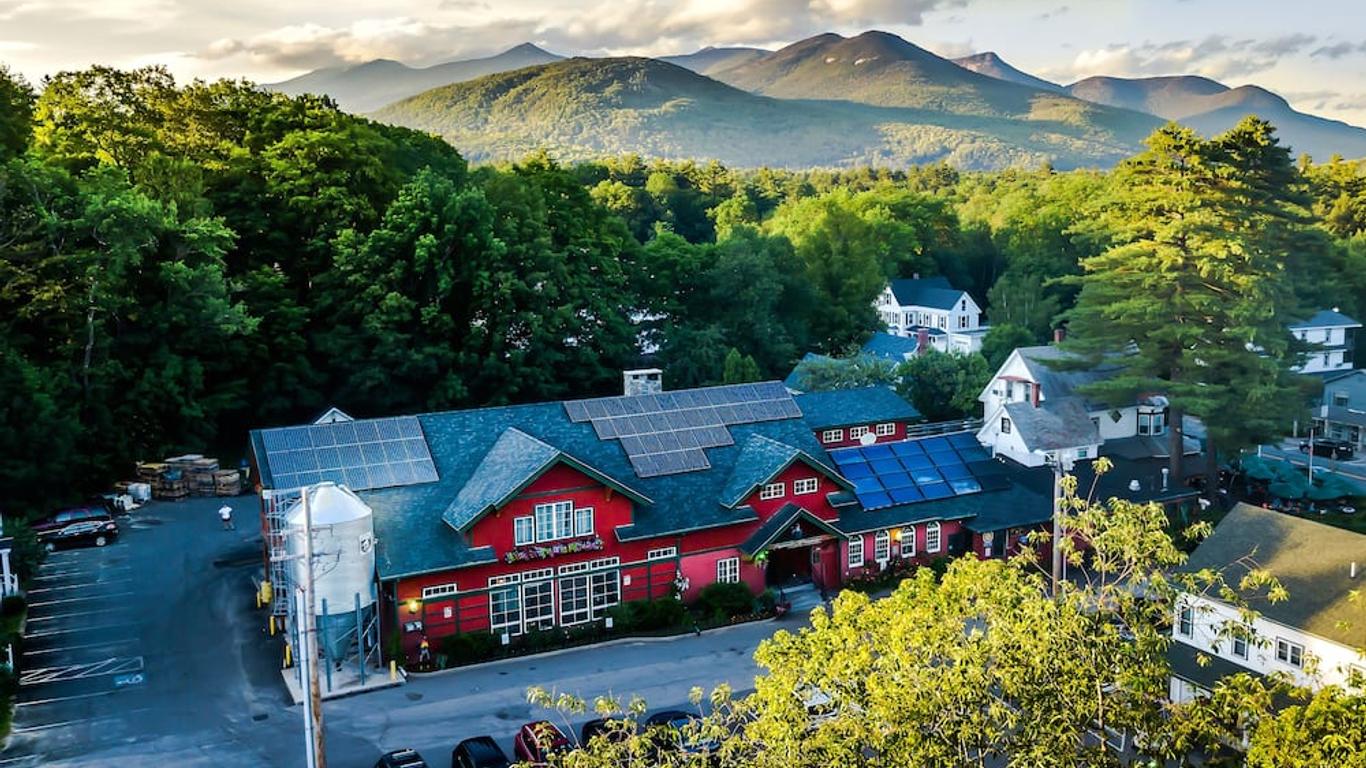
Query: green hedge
(723, 601)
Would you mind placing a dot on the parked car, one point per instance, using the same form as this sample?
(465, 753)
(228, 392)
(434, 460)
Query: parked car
(65, 517)
(613, 730)
(670, 731)
(401, 758)
(479, 752)
(535, 742)
(1330, 448)
(98, 532)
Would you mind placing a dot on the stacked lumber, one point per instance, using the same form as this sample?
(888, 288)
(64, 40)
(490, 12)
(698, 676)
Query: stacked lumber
(171, 485)
(227, 482)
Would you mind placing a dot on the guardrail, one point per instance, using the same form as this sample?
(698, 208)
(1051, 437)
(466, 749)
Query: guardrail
(943, 427)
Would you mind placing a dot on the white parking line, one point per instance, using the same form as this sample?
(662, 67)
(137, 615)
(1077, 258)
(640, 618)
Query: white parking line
(114, 665)
(63, 601)
(77, 614)
(79, 586)
(121, 717)
(55, 699)
(101, 628)
(133, 641)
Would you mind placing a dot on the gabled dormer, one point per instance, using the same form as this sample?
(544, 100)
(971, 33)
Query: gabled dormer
(769, 474)
(526, 493)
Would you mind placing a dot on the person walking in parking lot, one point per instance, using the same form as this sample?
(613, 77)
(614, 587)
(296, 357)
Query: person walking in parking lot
(225, 514)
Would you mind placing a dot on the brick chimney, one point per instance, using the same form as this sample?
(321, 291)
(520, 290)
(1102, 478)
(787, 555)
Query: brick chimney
(1059, 335)
(922, 341)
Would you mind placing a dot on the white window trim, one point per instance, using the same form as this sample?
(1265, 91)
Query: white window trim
(728, 570)
(856, 545)
(540, 621)
(857, 432)
(773, 491)
(574, 568)
(886, 429)
(544, 573)
(503, 581)
(663, 553)
(832, 436)
(934, 536)
(1185, 621)
(587, 611)
(517, 538)
(1005, 425)
(908, 541)
(882, 546)
(592, 523)
(439, 590)
(1239, 641)
(1290, 649)
(805, 485)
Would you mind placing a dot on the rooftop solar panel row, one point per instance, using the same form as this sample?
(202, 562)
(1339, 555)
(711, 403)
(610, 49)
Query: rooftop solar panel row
(940, 467)
(373, 453)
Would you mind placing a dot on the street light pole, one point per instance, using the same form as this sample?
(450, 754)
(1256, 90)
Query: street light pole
(1057, 524)
(317, 757)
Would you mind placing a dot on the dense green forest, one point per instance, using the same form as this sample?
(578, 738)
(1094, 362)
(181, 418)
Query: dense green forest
(179, 264)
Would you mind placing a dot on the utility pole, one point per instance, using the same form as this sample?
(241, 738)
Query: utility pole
(313, 707)
(1060, 464)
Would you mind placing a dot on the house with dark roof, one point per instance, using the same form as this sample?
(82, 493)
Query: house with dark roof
(1034, 409)
(526, 517)
(893, 349)
(1341, 411)
(1315, 637)
(933, 312)
(857, 416)
(1333, 339)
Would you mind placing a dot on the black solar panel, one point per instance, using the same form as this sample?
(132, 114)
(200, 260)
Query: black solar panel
(375, 453)
(666, 433)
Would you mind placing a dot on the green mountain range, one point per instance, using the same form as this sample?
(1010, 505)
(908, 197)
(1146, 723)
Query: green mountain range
(827, 101)
(907, 106)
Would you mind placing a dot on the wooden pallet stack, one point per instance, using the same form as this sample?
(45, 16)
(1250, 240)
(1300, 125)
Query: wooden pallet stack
(167, 480)
(198, 472)
(227, 482)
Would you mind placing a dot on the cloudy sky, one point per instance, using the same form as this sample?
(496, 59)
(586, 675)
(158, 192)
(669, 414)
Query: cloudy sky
(1313, 51)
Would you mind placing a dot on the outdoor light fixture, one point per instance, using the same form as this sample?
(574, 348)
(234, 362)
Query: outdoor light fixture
(896, 534)
(413, 605)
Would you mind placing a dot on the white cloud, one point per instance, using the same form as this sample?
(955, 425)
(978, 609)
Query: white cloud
(1215, 56)
(7, 46)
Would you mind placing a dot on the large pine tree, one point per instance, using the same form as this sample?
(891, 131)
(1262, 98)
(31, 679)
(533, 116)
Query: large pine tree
(1193, 297)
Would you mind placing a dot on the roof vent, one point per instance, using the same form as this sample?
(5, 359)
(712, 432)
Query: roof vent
(1134, 486)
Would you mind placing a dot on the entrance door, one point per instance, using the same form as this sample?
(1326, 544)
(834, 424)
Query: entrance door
(788, 566)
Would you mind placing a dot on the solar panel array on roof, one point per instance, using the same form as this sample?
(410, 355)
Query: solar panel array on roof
(891, 474)
(667, 433)
(371, 453)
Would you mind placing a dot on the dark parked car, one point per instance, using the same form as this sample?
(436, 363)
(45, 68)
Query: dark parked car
(669, 731)
(479, 752)
(1329, 448)
(537, 741)
(98, 532)
(613, 731)
(65, 517)
(401, 758)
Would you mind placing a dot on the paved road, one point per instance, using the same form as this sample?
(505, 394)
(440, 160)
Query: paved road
(151, 647)
(1289, 450)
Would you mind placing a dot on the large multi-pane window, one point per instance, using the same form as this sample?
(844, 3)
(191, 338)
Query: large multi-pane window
(856, 551)
(1289, 653)
(575, 607)
(524, 530)
(882, 546)
(805, 485)
(932, 537)
(538, 604)
(583, 522)
(908, 542)
(558, 520)
(605, 588)
(728, 570)
(505, 606)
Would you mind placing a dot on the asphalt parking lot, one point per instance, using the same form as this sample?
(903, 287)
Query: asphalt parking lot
(149, 646)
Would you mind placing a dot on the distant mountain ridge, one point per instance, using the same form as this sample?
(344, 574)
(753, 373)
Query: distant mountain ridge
(366, 87)
(709, 61)
(992, 65)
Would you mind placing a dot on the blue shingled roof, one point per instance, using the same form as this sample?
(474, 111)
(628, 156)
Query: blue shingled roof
(932, 292)
(842, 407)
(760, 460)
(889, 347)
(781, 522)
(1327, 318)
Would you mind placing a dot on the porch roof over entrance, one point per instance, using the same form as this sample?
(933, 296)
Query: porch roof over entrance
(782, 522)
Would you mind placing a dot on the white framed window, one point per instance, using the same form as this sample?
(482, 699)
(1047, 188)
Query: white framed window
(856, 551)
(439, 590)
(524, 530)
(885, 430)
(605, 589)
(1240, 646)
(574, 568)
(1289, 653)
(505, 611)
(538, 605)
(882, 546)
(556, 520)
(544, 573)
(1185, 621)
(606, 562)
(932, 542)
(498, 581)
(728, 570)
(564, 520)
(773, 491)
(805, 485)
(575, 606)
(832, 436)
(1005, 425)
(663, 553)
(908, 541)
(857, 432)
(583, 522)
(962, 322)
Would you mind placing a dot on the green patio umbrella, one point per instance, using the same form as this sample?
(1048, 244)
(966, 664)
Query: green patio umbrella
(1291, 487)
(1332, 486)
(1259, 468)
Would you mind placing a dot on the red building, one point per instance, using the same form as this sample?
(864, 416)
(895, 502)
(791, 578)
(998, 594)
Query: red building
(545, 515)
